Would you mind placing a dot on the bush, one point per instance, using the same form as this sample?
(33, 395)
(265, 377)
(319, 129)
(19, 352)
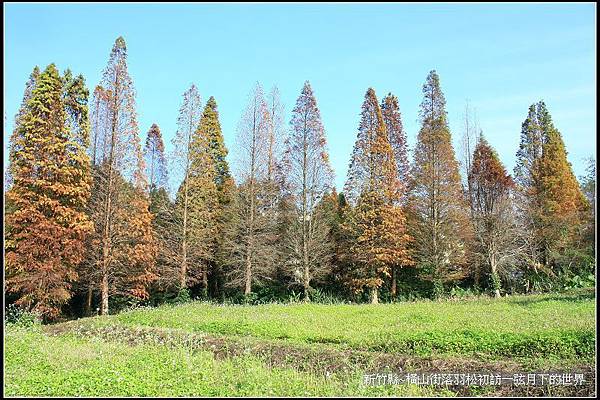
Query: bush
(183, 296)
(322, 297)
(21, 317)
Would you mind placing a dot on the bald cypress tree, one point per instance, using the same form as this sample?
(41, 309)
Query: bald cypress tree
(392, 118)
(154, 154)
(438, 210)
(495, 229)
(562, 201)
(122, 251)
(549, 198)
(377, 224)
(310, 177)
(181, 157)
(210, 130)
(29, 86)
(46, 223)
(252, 231)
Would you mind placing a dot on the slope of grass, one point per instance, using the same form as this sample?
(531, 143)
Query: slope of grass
(547, 326)
(40, 365)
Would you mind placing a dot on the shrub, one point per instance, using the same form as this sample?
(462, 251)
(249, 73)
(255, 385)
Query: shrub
(18, 316)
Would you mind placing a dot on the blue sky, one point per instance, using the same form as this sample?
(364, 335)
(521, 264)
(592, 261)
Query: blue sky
(501, 57)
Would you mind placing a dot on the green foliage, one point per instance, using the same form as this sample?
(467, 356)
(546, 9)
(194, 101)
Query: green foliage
(183, 296)
(495, 279)
(20, 317)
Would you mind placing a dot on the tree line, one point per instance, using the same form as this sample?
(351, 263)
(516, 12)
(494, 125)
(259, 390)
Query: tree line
(91, 224)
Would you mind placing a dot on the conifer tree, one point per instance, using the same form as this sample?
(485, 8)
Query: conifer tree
(469, 139)
(252, 230)
(154, 153)
(495, 229)
(376, 225)
(397, 137)
(165, 227)
(310, 177)
(549, 198)
(187, 124)
(46, 223)
(29, 86)
(122, 251)
(588, 187)
(438, 212)
(562, 201)
(209, 175)
(202, 201)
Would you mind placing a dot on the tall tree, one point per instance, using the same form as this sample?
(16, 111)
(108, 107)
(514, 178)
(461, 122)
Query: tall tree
(469, 140)
(123, 247)
(29, 86)
(181, 162)
(494, 225)
(439, 217)
(209, 179)
(588, 187)
(310, 177)
(549, 198)
(276, 130)
(252, 228)
(397, 137)
(46, 223)
(562, 201)
(377, 223)
(154, 154)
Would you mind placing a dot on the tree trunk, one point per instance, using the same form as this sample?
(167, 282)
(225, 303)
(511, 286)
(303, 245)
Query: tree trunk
(88, 304)
(205, 281)
(248, 277)
(374, 298)
(393, 290)
(183, 277)
(306, 287)
(495, 275)
(104, 307)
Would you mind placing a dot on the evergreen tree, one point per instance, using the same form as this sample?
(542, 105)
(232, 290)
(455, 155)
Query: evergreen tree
(438, 212)
(212, 165)
(46, 222)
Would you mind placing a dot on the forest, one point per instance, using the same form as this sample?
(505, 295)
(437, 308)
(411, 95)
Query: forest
(92, 226)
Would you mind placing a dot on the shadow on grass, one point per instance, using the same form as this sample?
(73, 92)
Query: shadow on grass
(584, 294)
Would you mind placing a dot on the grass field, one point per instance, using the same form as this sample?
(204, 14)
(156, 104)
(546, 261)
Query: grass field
(199, 349)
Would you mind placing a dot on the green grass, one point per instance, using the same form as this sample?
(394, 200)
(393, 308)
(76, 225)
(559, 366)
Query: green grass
(41, 365)
(284, 349)
(542, 326)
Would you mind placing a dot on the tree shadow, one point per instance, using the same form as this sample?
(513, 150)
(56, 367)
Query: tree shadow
(572, 296)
